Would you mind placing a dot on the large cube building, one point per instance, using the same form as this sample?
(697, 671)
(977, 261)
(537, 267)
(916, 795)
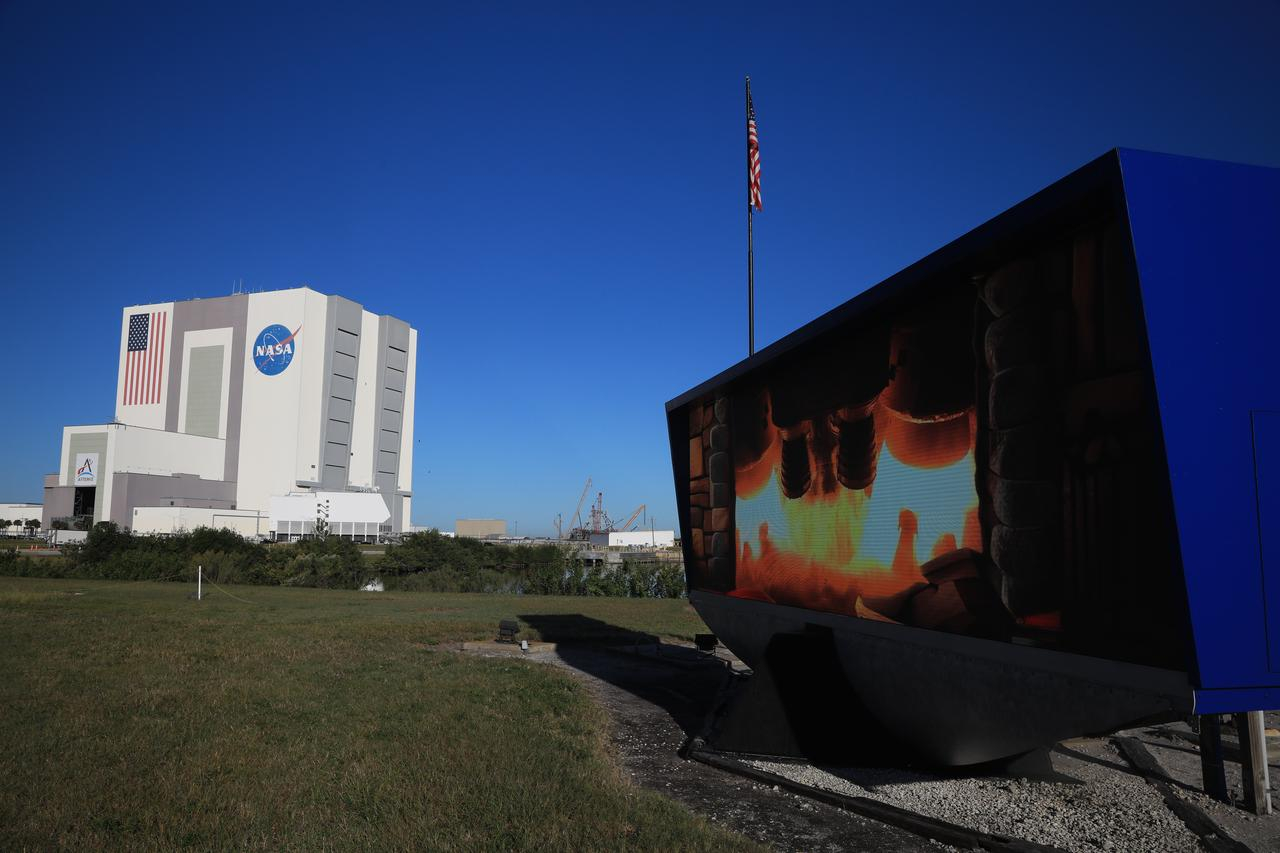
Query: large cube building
(223, 404)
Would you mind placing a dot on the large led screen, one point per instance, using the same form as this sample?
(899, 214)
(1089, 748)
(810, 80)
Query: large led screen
(979, 455)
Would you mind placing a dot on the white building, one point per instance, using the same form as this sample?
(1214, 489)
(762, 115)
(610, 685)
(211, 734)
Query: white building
(635, 539)
(351, 514)
(223, 404)
(19, 514)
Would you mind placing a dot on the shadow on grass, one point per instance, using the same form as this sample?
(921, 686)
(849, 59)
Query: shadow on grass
(574, 628)
(676, 679)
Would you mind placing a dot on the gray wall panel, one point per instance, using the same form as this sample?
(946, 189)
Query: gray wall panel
(397, 334)
(335, 455)
(342, 362)
(348, 342)
(347, 317)
(339, 432)
(342, 388)
(344, 365)
(339, 410)
(204, 390)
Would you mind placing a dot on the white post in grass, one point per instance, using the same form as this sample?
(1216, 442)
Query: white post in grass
(199, 577)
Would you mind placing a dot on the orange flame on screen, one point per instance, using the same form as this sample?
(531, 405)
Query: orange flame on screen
(858, 551)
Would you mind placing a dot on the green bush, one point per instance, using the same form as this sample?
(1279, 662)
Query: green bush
(331, 562)
(16, 565)
(670, 582)
(224, 567)
(544, 579)
(426, 561)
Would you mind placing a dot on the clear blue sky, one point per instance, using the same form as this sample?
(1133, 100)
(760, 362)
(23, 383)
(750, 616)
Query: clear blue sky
(552, 196)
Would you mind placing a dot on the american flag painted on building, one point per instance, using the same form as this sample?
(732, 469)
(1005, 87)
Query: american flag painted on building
(144, 358)
(753, 156)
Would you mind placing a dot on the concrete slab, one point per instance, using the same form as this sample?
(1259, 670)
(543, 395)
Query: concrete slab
(492, 647)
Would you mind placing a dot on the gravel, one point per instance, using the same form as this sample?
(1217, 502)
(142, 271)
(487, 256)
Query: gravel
(1095, 804)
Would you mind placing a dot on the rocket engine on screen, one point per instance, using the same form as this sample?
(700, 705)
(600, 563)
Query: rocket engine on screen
(979, 458)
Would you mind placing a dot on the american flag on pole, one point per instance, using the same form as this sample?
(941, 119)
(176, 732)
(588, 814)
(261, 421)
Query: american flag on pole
(144, 359)
(753, 155)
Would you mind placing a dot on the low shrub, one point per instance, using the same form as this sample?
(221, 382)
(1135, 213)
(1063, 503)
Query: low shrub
(427, 562)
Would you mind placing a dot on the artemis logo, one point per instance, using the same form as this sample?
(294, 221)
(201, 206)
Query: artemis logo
(274, 348)
(86, 469)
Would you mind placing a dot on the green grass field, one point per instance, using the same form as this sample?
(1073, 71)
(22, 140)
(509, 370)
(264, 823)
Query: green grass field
(135, 717)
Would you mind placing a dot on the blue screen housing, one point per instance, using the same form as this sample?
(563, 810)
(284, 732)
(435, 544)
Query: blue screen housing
(1206, 239)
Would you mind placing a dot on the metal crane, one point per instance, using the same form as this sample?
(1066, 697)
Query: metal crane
(626, 525)
(599, 521)
(576, 522)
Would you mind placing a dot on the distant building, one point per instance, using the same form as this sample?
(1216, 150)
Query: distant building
(179, 519)
(19, 514)
(224, 404)
(351, 515)
(480, 528)
(635, 539)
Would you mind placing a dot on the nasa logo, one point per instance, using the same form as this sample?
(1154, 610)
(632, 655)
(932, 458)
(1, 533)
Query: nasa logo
(274, 348)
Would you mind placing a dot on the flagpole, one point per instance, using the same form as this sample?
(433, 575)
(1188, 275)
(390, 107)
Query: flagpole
(751, 261)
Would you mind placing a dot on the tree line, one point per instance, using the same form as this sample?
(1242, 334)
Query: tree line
(425, 561)
(29, 525)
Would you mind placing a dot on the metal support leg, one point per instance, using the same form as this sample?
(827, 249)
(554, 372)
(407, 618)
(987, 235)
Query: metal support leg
(1212, 770)
(1253, 762)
